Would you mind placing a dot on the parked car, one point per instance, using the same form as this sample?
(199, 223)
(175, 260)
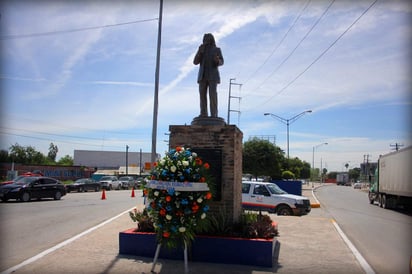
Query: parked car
(31, 187)
(126, 181)
(82, 185)
(139, 182)
(269, 197)
(110, 182)
(357, 185)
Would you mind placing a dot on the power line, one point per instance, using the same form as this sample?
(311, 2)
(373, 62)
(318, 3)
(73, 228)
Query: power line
(39, 34)
(280, 42)
(296, 47)
(323, 53)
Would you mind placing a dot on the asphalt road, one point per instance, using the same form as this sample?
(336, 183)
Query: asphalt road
(383, 237)
(27, 229)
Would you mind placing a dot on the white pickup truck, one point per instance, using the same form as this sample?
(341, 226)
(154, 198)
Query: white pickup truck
(110, 182)
(269, 197)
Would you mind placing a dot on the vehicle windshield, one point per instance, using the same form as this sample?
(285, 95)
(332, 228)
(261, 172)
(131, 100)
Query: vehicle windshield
(26, 180)
(274, 189)
(104, 178)
(80, 181)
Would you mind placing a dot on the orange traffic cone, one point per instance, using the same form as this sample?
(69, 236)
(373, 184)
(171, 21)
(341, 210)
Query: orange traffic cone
(104, 194)
(133, 192)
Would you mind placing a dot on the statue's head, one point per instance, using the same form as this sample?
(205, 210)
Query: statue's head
(208, 39)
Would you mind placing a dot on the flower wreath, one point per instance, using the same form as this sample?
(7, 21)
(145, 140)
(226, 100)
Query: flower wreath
(178, 196)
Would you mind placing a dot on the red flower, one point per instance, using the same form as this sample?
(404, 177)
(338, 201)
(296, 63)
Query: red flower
(208, 196)
(206, 165)
(162, 212)
(166, 234)
(202, 179)
(195, 207)
(178, 149)
(198, 161)
(168, 198)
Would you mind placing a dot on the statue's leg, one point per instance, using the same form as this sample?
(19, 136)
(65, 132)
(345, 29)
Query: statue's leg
(203, 98)
(213, 98)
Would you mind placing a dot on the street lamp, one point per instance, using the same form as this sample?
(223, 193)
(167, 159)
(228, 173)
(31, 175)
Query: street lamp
(287, 122)
(313, 158)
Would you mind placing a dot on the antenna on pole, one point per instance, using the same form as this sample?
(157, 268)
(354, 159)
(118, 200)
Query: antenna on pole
(396, 146)
(230, 97)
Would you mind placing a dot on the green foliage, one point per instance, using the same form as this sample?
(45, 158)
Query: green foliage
(287, 174)
(258, 226)
(66, 161)
(52, 152)
(260, 157)
(143, 220)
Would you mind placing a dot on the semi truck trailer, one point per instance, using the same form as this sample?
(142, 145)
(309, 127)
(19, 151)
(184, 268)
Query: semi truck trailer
(391, 186)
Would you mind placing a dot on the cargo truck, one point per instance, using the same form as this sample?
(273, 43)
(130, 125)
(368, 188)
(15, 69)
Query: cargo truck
(391, 186)
(342, 179)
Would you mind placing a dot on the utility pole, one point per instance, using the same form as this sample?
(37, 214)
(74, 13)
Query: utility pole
(156, 91)
(230, 97)
(127, 160)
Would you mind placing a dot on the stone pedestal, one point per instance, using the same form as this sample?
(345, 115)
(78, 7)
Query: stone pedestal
(221, 146)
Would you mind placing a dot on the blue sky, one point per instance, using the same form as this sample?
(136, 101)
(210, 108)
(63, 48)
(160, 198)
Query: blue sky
(81, 74)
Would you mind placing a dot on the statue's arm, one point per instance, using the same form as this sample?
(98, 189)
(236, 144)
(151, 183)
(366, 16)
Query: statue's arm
(198, 56)
(219, 58)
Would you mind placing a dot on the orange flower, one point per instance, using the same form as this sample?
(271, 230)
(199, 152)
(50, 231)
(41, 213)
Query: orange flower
(179, 149)
(166, 234)
(168, 198)
(208, 196)
(206, 165)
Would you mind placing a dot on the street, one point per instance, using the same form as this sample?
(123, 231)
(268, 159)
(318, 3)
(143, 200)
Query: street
(383, 237)
(30, 228)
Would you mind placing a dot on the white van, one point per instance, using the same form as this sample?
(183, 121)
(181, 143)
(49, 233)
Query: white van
(269, 197)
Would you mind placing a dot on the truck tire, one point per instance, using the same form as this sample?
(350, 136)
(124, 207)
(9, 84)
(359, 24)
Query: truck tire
(371, 199)
(284, 210)
(383, 201)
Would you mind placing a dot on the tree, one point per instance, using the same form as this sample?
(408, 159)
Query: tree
(52, 152)
(4, 156)
(300, 169)
(66, 161)
(260, 157)
(26, 155)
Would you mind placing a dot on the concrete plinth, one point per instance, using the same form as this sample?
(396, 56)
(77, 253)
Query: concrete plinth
(221, 146)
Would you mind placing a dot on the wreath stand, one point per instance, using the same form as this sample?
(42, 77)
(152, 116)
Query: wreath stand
(157, 255)
(177, 186)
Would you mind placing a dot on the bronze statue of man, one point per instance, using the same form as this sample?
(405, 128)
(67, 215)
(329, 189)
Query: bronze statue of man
(210, 58)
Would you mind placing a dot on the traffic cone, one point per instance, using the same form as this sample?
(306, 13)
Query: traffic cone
(104, 194)
(133, 192)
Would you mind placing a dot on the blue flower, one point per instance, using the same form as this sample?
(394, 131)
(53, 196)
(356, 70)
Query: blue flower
(171, 191)
(184, 202)
(169, 208)
(206, 208)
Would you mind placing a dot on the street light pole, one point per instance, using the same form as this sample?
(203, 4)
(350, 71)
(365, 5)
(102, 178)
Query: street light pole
(313, 158)
(288, 122)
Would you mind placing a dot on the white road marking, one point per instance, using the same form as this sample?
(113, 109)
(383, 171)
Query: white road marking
(62, 244)
(366, 267)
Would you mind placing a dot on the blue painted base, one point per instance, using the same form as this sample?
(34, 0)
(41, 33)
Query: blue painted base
(259, 252)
